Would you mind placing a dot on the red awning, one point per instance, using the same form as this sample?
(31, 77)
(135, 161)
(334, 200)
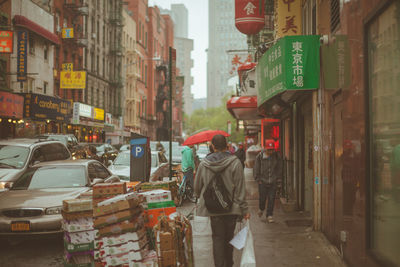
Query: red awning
(33, 26)
(247, 66)
(243, 107)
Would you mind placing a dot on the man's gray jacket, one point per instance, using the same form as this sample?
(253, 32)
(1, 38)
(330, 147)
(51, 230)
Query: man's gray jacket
(267, 169)
(233, 176)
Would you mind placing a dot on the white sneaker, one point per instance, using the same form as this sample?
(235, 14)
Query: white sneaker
(270, 219)
(260, 213)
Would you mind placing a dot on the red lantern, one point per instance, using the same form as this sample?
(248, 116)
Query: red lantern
(249, 16)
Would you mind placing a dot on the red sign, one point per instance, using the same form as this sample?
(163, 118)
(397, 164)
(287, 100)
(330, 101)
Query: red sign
(11, 105)
(6, 42)
(249, 16)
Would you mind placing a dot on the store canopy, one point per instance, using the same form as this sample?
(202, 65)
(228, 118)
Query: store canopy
(243, 107)
(22, 21)
(290, 66)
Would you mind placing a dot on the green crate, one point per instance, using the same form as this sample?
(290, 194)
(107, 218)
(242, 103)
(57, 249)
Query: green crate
(78, 247)
(158, 205)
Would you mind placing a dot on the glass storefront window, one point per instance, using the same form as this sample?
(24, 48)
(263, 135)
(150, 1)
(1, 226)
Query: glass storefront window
(384, 83)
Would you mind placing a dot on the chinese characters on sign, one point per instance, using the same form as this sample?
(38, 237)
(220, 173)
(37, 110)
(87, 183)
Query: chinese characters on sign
(297, 61)
(289, 18)
(237, 60)
(6, 42)
(291, 64)
(22, 47)
(73, 80)
(67, 66)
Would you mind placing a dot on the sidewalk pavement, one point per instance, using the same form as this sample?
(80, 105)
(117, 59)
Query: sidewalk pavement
(276, 244)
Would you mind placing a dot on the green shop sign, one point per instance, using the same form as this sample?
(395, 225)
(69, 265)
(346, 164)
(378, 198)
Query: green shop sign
(291, 64)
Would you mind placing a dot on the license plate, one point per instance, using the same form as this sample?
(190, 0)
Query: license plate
(20, 226)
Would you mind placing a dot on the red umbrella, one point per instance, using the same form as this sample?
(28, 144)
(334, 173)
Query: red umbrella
(203, 137)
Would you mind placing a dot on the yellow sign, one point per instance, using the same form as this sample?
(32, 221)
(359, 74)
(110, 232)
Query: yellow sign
(67, 66)
(67, 33)
(73, 79)
(288, 18)
(98, 114)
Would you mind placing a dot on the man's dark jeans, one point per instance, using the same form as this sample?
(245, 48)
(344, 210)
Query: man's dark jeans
(223, 228)
(267, 191)
(189, 177)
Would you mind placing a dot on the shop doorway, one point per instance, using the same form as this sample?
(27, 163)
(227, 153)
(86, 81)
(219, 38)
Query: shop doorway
(306, 154)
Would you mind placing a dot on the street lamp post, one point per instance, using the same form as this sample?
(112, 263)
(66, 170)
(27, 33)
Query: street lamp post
(172, 74)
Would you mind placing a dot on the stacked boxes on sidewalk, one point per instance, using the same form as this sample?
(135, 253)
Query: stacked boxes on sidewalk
(174, 243)
(171, 186)
(79, 233)
(158, 203)
(120, 222)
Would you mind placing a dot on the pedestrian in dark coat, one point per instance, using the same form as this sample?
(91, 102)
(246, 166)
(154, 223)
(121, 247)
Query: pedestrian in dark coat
(222, 225)
(241, 154)
(267, 172)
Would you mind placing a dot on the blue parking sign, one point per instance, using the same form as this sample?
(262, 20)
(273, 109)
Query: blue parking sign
(137, 151)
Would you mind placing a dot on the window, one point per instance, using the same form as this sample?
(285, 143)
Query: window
(97, 64)
(145, 75)
(57, 55)
(384, 84)
(145, 40)
(98, 97)
(98, 32)
(31, 44)
(45, 85)
(104, 66)
(91, 96)
(46, 52)
(65, 59)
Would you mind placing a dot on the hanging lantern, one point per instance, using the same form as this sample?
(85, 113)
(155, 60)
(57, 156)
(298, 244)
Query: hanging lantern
(249, 16)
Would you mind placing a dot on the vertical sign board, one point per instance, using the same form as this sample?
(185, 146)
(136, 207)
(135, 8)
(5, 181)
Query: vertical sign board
(6, 42)
(140, 160)
(22, 48)
(288, 18)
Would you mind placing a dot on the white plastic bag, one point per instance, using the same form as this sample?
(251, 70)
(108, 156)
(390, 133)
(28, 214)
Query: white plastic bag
(239, 240)
(248, 257)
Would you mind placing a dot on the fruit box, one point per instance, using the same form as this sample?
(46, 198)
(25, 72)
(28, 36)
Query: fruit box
(154, 214)
(105, 190)
(159, 195)
(114, 207)
(112, 218)
(77, 205)
(122, 227)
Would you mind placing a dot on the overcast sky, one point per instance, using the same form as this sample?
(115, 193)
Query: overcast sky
(198, 31)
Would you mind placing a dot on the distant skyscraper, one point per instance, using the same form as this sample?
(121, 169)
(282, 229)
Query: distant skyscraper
(184, 47)
(223, 36)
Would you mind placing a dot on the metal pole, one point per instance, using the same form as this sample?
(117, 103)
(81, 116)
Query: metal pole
(170, 112)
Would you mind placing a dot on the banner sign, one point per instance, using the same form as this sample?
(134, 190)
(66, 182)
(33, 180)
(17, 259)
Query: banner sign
(6, 42)
(43, 107)
(67, 33)
(67, 67)
(288, 18)
(98, 114)
(73, 79)
(291, 64)
(22, 48)
(11, 105)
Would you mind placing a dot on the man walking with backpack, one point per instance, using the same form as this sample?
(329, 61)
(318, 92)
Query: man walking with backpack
(267, 171)
(220, 187)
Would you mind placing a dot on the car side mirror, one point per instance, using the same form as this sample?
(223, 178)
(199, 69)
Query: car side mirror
(112, 179)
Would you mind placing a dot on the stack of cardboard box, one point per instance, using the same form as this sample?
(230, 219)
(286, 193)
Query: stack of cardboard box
(121, 236)
(174, 243)
(79, 233)
(157, 203)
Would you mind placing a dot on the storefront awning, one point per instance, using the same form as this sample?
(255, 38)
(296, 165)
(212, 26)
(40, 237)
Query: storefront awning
(243, 107)
(290, 66)
(30, 25)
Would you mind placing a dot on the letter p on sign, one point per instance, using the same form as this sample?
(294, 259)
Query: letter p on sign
(137, 151)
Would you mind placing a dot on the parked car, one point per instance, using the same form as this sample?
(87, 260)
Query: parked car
(106, 151)
(125, 147)
(16, 155)
(122, 164)
(34, 202)
(69, 140)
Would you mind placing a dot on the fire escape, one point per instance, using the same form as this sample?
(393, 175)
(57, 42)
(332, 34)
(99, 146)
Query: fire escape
(78, 9)
(117, 51)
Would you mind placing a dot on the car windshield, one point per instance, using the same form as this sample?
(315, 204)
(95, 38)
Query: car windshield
(154, 160)
(51, 177)
(13, 156)
(123, 159)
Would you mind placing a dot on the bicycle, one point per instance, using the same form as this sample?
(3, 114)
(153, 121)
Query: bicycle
(185, 191)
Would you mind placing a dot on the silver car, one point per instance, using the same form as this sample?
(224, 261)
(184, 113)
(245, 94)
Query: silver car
(17, 155)
(34, 202)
